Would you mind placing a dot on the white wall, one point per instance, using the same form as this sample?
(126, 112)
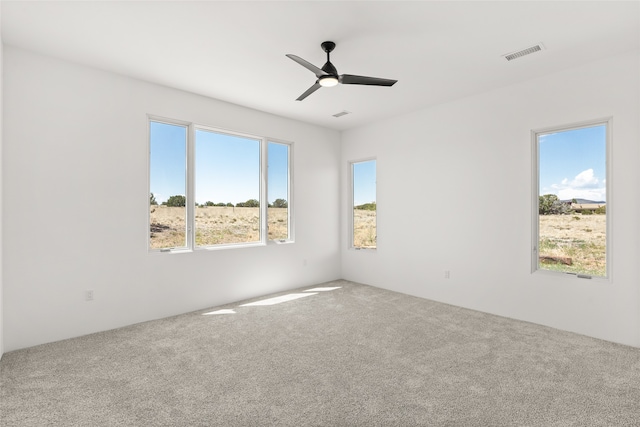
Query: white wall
(454, 193)
(76, 203)
(1, 222)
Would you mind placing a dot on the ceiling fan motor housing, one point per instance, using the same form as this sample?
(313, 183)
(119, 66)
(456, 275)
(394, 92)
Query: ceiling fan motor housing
(328, 67)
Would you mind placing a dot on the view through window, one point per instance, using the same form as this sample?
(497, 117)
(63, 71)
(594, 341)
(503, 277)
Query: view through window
(365, 233)
(227, 188)
(167, 175)
(278, 224)
(572, 200)
(211, 191)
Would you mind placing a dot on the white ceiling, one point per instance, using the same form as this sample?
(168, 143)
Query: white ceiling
(235, 51)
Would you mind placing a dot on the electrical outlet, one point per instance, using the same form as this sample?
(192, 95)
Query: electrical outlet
(447, 274)
(88, 295)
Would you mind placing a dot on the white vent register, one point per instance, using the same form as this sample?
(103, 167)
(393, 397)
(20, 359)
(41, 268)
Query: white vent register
(523, 52)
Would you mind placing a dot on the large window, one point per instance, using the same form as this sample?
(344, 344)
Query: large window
(571, 200)
(208, 188)
(364, 233)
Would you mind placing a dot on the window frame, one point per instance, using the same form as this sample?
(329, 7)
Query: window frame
(190, 175)
(290, 216)
(535, 193)
(187, 126)
(351, 204)
(261, 192)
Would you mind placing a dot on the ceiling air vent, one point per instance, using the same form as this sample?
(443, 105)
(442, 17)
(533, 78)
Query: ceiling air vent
(341, 113)
(514, 55)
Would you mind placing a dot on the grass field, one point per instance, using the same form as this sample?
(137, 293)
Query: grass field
(214, 225)
(365, 232)
(578, 239)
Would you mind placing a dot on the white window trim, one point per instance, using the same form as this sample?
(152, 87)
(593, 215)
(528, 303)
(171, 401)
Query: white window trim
(535, 222)
(351, 206)
(290, 208)
(187, 125)
(262, 190)
(190, 190)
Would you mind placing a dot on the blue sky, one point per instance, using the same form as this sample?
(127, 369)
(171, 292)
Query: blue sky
(167, 160)
(227, 167)
(364, 182)
(573, 163)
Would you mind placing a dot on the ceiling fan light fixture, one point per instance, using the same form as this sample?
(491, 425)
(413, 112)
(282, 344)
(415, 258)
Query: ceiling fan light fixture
(328, 81)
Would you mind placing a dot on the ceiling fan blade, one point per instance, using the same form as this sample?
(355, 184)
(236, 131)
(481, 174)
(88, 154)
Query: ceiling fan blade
(308, 65)
(348, 79)
(309, 91)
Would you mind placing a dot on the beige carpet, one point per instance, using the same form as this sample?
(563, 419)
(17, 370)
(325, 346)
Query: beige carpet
(352, 356)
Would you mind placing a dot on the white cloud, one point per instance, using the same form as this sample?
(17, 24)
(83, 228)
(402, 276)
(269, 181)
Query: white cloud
(585, 185)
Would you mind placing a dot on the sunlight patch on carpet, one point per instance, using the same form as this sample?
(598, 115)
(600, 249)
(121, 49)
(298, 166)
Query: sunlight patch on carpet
(278, 300)
(224, 311)
(322, 289)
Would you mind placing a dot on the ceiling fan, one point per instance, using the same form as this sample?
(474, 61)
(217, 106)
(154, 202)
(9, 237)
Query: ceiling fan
(328, 75)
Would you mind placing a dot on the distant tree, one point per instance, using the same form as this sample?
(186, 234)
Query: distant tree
(545, 203)
(221, 204)
(152, 200)
(229, 205)
(549, 204)
(209, 203)
(251, 203)
(280, 203)
(177, 201)
(367, 206)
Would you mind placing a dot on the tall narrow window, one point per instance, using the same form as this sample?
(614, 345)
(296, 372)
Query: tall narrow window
(278, 224)
(227, 188)
(167, 185)
(364, 223)
(572, 200)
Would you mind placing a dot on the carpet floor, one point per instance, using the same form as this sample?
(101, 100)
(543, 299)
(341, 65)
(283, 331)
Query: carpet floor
(350, 356)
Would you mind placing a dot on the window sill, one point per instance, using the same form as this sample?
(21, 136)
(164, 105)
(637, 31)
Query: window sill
(169, 251)
(280, 242)
(552, 273)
